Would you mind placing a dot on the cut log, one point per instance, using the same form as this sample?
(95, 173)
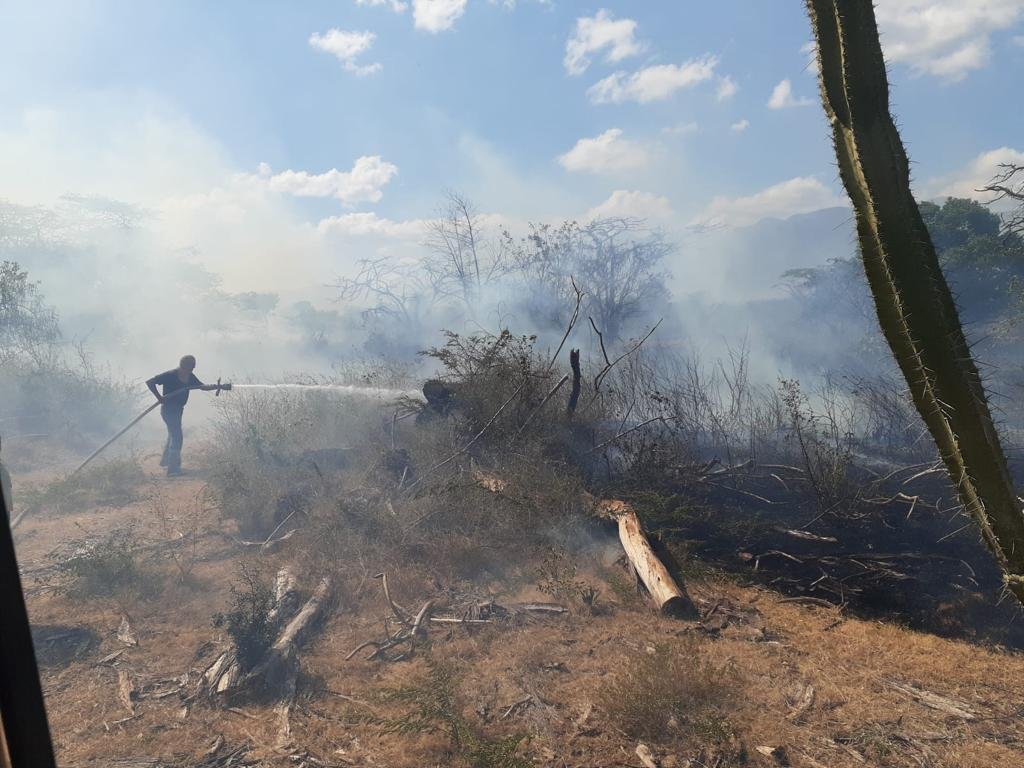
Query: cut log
(126, 690)
(275, 672)
(275, 668)
(666, 593)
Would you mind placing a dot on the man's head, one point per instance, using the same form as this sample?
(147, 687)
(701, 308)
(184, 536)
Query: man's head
(187, 364)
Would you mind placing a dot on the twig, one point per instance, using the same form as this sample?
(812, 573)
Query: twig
(608, 366)
(540, 407)
(639, 426)
(572, 323)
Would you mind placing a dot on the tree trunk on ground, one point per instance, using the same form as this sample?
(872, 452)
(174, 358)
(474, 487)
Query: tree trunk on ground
(915, 308)
(664, 590)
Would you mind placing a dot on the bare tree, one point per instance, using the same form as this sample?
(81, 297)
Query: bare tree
(1008, 184)
(615, 262)
(462, 258)
(397, 291)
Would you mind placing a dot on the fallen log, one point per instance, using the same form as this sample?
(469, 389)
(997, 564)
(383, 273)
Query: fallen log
(667, 594)
(670, 597)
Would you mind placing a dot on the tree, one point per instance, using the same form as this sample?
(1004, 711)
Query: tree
(616, 262)
(28, 326)
(463, 260)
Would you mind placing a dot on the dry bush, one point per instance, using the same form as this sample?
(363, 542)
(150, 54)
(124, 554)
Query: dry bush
(247, 619)
(434, 704)
(272, 452)
(108, 566)
(671, 692)
(111, 483)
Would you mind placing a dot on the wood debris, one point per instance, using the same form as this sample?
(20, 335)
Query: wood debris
(943, 704)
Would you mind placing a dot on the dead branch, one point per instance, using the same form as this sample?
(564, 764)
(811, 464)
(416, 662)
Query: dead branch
(539, 408)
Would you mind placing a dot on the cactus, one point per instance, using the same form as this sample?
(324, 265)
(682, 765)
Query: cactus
(915, 308)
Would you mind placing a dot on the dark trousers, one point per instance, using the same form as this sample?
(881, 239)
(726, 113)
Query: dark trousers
(172, 450)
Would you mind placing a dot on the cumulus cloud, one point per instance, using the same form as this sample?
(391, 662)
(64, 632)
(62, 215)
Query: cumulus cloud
(346, 47)
(655, 83)
(944, 38)
(799, 195)
(369, 223)
(398, 6)
(600, 33)
(740, 126)
(437, 15)
(632, 204)
(727, 88)
(363, 184)
(782, 97)
(966, 181)
(606, 153)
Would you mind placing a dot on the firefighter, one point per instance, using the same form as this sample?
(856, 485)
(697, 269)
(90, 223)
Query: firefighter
(176, 384)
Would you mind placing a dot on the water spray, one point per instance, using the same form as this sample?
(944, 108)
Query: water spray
(348, 389)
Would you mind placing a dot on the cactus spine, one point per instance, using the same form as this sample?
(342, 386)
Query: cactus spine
(914, 305)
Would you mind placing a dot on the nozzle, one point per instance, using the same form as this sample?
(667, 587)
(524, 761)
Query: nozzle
(226, 386)
(222, 388)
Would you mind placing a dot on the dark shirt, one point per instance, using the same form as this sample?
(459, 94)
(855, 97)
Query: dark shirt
(172, 384)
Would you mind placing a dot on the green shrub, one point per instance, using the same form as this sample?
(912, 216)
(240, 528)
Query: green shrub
(247, 620)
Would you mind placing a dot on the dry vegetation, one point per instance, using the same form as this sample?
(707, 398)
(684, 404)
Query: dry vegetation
(508, 631)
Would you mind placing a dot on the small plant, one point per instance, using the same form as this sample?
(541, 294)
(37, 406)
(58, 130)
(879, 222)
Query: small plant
(436, 708)
(107, 566)
(247, 621)
(671, 689)
(111, 483)
(180, 528)
(556, 576)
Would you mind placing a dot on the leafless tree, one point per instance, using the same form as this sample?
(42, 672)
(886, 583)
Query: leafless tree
(463, 259)
(398, 291)
(615, 262)
(1008, 184)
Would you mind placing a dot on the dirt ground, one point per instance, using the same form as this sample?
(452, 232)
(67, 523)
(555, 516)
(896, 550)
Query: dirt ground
(816, 688)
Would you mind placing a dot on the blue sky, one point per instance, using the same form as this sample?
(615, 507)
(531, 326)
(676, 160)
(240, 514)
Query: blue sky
(675, 110)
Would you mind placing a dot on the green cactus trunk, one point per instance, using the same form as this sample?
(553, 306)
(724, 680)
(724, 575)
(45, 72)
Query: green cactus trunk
(914, 305)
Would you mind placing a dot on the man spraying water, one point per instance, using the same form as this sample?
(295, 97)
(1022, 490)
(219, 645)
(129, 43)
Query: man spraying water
(176, 384)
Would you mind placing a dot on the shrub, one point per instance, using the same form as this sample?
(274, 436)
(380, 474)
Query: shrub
(436, 707)
(672, 690)
(247, 620)
(108, 566)
(111, 483)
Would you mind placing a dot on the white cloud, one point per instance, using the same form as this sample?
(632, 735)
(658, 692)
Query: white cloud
(783, 98)
(606, 153)
(944, 38)
(973, 176)
(681, 129)
(602, 32)
(369, 223)
(740, 126)
(346, 47)
(800, 195)
(437, 15)
(727, 88)
(363, 184)
(631, 204)
(655, 83)
(398, 6)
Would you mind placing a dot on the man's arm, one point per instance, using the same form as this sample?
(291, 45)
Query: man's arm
(151, 383)
(195, 383)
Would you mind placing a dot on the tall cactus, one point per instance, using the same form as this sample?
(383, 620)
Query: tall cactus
(912, 299)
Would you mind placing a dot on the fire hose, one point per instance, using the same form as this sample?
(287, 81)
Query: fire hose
(219, 388)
